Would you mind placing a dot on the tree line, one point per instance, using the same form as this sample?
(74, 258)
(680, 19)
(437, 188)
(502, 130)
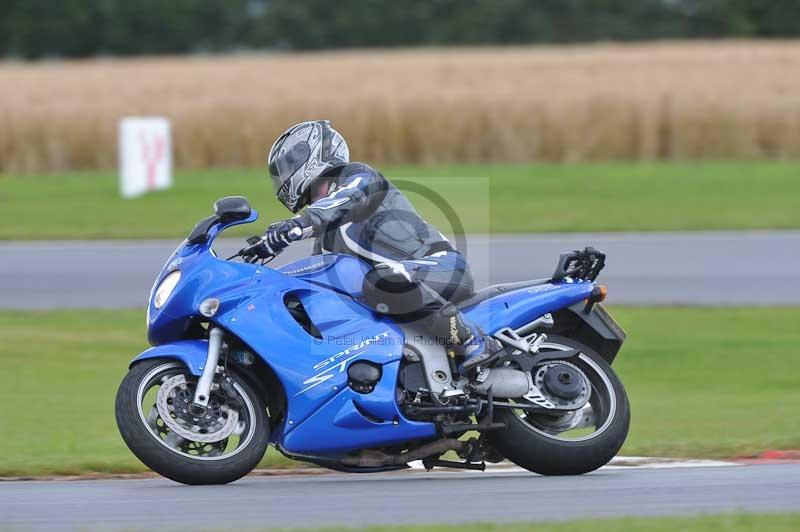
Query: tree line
(32, 29)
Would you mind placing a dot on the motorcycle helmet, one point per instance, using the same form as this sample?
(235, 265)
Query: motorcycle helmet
(300, 156)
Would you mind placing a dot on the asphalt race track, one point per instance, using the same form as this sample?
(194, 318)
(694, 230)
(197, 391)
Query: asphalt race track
(704, 268)
(396, 498)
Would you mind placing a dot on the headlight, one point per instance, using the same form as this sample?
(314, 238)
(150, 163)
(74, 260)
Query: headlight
(165, 289)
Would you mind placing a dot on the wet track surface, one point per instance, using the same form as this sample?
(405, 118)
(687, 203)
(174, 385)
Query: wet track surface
(705, 268)
(396, 498)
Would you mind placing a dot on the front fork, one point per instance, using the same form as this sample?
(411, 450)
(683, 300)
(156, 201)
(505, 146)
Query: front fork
(203, 390)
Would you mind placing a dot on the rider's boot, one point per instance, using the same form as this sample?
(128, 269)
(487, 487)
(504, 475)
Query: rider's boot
(464, 339)
(479, 350)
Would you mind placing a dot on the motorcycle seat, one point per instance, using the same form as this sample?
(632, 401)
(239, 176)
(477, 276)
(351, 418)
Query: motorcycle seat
(496, 289)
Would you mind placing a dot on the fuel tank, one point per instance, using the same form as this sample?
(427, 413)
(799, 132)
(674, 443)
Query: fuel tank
(342, 273)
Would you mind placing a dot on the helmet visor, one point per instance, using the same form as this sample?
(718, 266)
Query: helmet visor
(288, 161)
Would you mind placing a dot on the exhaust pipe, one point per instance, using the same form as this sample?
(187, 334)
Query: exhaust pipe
(506, 383)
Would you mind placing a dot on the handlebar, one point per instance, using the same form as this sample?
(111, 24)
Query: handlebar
(247, 251)
(253, 242)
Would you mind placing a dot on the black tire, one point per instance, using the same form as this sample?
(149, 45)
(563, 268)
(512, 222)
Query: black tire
(169, 462)
(536, 452)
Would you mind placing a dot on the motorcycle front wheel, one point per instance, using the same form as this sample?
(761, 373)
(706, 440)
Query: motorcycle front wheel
(215, 445)
(569, 443)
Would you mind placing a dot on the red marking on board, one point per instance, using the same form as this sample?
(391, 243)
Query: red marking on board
(152, 154)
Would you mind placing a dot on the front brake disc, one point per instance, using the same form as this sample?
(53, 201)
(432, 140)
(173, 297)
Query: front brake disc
(174, 403)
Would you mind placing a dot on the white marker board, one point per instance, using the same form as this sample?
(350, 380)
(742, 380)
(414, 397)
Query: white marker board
(145, 155)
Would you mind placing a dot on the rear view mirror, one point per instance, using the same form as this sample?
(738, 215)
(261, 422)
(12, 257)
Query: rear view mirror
(232, 208)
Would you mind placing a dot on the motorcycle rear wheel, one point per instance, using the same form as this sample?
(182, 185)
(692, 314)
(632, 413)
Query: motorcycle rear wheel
(173, 453)
(538, 443)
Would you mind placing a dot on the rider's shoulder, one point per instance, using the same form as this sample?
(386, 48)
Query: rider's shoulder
(359, 169)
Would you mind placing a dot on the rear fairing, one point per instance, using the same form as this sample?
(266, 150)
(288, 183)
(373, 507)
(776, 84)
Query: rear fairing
(519, 307)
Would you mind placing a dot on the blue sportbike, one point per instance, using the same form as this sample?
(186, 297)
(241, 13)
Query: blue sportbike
(245, 355)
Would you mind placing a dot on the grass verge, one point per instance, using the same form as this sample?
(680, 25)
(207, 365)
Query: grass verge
(702, 382)
(706, 523)
(501, 199)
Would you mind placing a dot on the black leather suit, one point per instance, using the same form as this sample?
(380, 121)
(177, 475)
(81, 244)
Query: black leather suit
(415, 270)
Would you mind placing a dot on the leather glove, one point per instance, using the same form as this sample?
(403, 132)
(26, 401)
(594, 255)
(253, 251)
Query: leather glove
(280, 234)
(276, 238)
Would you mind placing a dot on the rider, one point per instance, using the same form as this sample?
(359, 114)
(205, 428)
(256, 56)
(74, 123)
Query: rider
(353, 209)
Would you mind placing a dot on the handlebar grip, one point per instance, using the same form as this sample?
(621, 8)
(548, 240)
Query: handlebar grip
(295, 233)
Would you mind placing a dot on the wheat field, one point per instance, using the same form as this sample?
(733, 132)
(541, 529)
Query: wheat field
(681, 100)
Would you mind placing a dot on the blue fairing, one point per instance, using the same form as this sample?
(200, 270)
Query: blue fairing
(203, 275)
(323, 415)
(342, 422)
